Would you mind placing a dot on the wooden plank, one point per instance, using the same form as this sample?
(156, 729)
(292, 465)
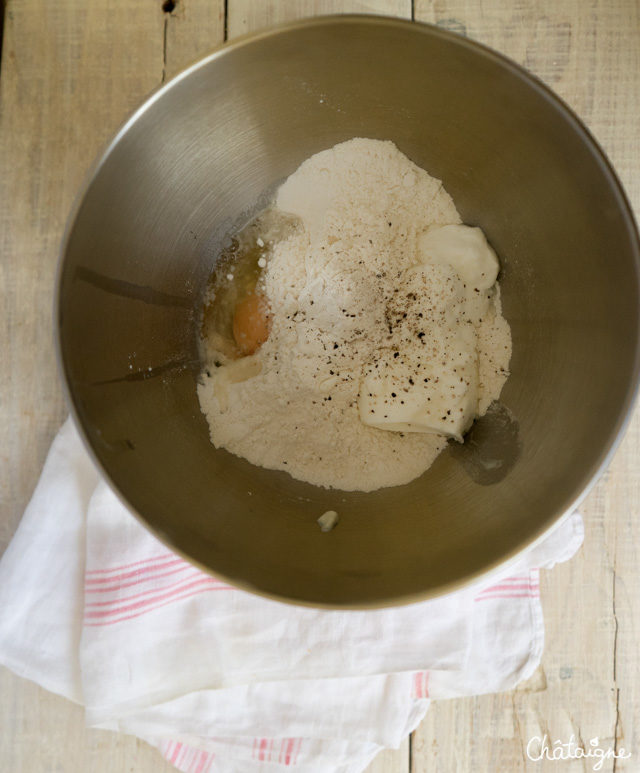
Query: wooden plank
(192, 30)
(620, 504)
(588, 682)
(249, 15)
(71, 72)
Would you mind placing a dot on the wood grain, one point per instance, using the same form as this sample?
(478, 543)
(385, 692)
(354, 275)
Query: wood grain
(248, 15)
(71, 71)
(192, 30)
(62, 95)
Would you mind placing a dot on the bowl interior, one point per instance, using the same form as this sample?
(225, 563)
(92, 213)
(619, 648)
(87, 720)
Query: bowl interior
(200, 154)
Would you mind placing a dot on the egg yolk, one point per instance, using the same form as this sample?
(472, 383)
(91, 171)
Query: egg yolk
(251, 323)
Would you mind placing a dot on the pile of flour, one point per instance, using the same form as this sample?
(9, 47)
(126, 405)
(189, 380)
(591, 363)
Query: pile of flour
(293, 405)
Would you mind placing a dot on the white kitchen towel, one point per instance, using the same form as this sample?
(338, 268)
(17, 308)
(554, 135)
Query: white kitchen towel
(93, 607)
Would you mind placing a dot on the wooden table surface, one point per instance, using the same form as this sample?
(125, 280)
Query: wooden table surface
(71, 71)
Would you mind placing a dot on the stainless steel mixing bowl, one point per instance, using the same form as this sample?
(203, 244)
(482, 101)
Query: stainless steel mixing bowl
(202, 150)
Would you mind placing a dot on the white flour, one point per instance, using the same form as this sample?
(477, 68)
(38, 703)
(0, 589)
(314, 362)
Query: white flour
(293, 405)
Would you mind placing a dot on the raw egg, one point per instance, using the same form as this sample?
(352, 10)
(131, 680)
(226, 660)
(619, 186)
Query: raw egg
(251, 323)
